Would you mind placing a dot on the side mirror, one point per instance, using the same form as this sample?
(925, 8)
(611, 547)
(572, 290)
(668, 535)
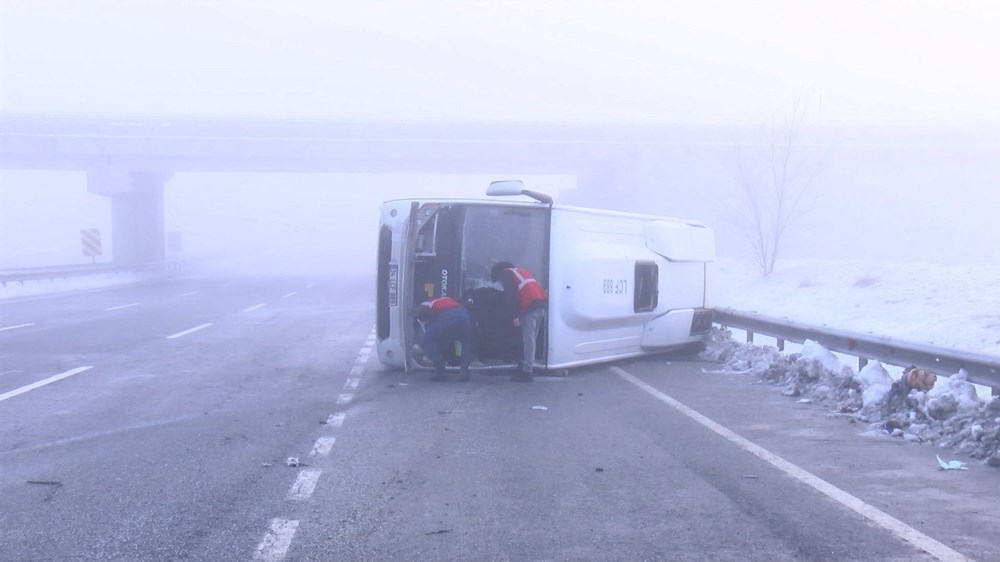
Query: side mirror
(515, 187)
(505, 187)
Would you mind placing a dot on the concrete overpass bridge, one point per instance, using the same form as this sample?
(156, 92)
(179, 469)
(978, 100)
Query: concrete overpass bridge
(129, 159)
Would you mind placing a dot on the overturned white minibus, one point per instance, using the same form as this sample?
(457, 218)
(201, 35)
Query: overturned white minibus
(619, 284)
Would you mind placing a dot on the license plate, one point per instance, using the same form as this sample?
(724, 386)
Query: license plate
(393, 288)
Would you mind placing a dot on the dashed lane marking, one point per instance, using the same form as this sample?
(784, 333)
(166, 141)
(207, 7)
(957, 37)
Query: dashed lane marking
(17, 326)
(351, 384)
(286, 295)
(255, 307)
(323, 447)
(876, 516)
(186, 332)
(276, 541)
(43, 382)
(187, 294)
(336, 420)
(345, 398)
(119, 307)
(304, 485)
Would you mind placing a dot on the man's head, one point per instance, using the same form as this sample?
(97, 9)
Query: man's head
(498, 269)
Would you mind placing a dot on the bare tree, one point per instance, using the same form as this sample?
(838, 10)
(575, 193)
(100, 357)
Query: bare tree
(775, 175)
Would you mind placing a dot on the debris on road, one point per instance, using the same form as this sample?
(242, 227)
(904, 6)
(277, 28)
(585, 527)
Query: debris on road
(951, 465)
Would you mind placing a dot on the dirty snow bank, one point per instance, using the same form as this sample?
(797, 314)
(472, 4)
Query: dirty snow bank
(950, 414)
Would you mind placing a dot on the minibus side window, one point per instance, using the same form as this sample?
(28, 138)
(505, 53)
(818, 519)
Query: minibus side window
(646, 286)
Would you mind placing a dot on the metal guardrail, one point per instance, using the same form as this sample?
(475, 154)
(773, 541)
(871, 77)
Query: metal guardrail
(981, 368)
(64, 272)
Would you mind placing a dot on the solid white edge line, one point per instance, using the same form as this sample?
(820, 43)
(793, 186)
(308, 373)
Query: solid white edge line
(43, 382)
(186, 332)
(323, 447)
(304, 485)
(121, 307)
(255, 307)
(276, 541)
(873, 514)
(17, 326)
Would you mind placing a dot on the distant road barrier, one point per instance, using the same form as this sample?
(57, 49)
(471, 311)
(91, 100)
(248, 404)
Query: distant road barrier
(66, 271)
(981, 368)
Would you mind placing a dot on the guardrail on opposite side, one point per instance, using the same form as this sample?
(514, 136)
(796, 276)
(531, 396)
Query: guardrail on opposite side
(67, 271)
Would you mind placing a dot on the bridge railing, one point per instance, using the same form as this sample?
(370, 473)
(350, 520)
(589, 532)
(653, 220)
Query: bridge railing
(981, 368)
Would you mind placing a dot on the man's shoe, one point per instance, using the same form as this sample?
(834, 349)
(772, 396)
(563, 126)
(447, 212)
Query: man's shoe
(522, 377)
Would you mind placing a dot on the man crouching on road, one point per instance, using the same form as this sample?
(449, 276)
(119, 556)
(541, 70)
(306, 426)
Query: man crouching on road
(446, 321)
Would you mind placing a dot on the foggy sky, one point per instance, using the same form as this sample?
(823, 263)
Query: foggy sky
(740, 62)
(906, 62)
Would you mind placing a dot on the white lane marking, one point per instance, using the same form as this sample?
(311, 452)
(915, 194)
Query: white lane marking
(310, 286)
(187, 294)
(351, 384)
(876, 516)
(255, 307)
(121, 307)
(285, 296)
(17, 326)
(366, 350)
(304, 485)
(357, 371)
(43, 382)
(345, 398)
(323, 446)
(276, 541)
(186, 332)
(336, 420)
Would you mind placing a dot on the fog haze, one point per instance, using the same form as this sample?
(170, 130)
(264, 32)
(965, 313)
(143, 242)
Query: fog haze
(855, 64)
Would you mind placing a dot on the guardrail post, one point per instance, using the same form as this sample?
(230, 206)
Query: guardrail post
(862, 361)
(749, 336)
(781, 344)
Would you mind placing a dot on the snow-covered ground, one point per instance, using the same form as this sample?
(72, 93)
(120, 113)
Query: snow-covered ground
(951, 306)
(954, 306)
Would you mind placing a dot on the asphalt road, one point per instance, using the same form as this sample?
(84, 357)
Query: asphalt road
(173, 445)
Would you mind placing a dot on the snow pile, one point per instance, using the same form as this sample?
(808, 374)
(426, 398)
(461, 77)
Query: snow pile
(950, 414)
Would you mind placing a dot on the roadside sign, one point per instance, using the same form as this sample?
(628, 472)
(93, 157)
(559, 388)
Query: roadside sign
(91, 240)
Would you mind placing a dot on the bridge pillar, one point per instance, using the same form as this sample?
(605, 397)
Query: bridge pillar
(137, 214)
